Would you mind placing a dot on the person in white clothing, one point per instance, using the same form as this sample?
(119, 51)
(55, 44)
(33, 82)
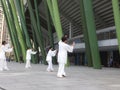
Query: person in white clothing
(50, 54)
(62, 55)
(28, 57)
(3, 63)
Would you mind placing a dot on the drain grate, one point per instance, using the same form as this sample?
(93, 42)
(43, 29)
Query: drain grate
(2, 88)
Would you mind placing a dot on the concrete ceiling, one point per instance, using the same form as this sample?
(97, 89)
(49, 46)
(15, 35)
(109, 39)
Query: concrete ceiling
(70, 15)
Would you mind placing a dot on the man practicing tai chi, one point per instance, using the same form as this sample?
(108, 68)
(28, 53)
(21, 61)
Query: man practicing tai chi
(62, 55)
(50, 54)
(3, 63)
(28, 57)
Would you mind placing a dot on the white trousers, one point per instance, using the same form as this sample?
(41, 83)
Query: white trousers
(3, 65)
(28, 65)
(50, 66)
(61, 70)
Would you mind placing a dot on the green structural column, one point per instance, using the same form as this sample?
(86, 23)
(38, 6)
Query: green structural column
(10, 28)
(116, 10)
(57, 19)
(49, 5)
(34, 24)
(49, 24)
(23, 23)
(39, 26)
(91, 30)
(18, 28)
(22, 8)
(86, 39)
(36, 57)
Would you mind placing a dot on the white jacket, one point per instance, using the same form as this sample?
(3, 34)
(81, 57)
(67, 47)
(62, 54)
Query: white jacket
(28, 54)
(62, 53)
(50, 55)
(3, 50)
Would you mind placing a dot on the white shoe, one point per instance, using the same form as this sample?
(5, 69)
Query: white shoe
(1, 69)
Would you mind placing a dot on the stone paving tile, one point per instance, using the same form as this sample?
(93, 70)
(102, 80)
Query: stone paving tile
(79, 78)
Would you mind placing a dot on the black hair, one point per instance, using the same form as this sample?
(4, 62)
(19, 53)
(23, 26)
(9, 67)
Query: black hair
(64, 39)
(28, 48)
(66, 35)
(50, 47)
(3, 42)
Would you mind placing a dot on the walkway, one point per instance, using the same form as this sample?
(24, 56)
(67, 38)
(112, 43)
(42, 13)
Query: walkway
(79, 78)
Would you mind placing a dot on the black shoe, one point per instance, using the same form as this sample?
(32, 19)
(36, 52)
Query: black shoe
(64, 75)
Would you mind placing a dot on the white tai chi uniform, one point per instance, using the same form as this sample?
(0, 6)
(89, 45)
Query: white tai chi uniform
(28, 57)
(3, 63)
(62, 57)
(49, 59)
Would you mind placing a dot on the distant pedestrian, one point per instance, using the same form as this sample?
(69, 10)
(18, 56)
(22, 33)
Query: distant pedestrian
(3, 62)
(110, 62)
(50, 54)
(28, 57)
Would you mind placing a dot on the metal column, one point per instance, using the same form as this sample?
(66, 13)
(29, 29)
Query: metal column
(57, 19)
(116, 11)
(91, 33)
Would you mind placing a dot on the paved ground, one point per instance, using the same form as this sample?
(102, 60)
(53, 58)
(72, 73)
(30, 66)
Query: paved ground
(79, 78)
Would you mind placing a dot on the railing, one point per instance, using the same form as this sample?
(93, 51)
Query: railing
(102, 34)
